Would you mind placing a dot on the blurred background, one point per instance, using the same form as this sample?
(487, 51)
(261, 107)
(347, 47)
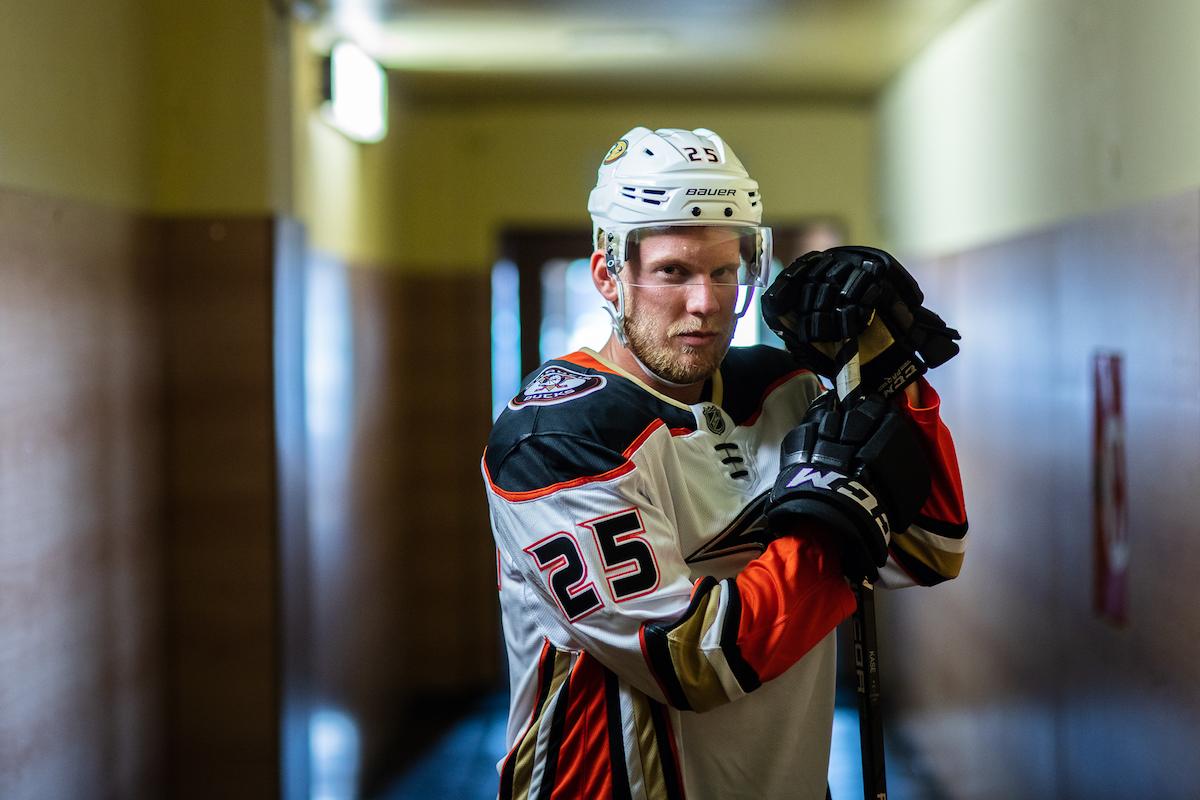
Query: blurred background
(251, 340)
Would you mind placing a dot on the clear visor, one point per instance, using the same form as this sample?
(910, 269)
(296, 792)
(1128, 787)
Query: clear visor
(662, 256)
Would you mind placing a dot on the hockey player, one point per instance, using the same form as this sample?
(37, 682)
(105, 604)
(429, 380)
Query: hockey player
(669, 580)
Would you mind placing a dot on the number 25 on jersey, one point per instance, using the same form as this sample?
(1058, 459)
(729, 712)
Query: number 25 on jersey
(630, 568)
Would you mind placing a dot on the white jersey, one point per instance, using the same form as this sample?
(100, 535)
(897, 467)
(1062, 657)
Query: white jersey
(662, 643)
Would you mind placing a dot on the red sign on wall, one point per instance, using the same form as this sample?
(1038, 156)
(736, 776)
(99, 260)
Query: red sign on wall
(1110, 497)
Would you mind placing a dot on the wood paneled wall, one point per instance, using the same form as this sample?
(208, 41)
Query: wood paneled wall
(81, 589)
(167, 621)
(222, 567)
(1004, 679)
(139, 624)
(442, 351)
(403, 566)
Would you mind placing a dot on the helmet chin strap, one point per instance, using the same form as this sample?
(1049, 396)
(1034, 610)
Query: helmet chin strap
(618, 324)
(658, 377)
(617, 313)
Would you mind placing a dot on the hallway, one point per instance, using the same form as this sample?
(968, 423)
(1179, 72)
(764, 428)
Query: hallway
(461, 765)
(251, 358)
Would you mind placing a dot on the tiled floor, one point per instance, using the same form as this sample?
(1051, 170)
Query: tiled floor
(462, 765)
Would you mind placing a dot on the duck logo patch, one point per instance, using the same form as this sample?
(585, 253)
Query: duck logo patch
(616, 151)
(556, 385)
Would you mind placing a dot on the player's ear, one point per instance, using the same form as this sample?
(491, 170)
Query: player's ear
(606, 284)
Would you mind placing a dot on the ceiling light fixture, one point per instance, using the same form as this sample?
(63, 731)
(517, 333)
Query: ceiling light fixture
(355, 94)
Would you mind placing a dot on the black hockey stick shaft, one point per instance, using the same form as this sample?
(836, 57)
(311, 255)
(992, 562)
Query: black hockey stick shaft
(866, 669)
(866, 651)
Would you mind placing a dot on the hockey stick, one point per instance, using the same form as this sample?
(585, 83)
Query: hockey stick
(870, 720)
(866, 653)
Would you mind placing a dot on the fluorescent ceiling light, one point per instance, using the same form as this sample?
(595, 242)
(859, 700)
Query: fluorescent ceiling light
(356, 101)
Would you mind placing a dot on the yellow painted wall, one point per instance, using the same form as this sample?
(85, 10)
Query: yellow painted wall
(73, 85)
(436, 193)
(146, 104)
(1027, 112)
(220, 120)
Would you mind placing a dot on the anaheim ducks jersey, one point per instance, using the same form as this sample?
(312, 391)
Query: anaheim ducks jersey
(661, 643)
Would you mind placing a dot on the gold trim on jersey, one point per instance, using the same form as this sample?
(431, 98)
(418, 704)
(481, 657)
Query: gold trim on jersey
(944, 563)
(653, 779)
(718, 388)
(523, 773)
(698, 676)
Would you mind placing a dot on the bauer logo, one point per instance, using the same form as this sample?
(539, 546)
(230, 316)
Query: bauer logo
(556, 385)
(712, 192)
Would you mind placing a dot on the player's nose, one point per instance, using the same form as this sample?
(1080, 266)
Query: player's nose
(702, 299)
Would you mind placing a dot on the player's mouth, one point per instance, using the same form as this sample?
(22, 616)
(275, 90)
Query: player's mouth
(697, 338)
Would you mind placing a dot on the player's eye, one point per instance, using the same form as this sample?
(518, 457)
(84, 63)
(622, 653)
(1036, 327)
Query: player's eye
(671, 273)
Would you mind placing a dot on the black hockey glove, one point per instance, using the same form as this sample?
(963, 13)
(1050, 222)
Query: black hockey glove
(860, 469)
(829, 305)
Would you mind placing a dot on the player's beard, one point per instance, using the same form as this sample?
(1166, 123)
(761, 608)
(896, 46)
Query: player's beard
(669, 358)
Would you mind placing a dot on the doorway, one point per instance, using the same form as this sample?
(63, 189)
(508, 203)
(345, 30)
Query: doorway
(545, 305)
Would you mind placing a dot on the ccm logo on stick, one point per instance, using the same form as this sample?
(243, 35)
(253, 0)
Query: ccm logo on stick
(837, 482)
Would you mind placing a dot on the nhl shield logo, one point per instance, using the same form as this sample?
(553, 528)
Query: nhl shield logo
(714, 420)
(556, 385)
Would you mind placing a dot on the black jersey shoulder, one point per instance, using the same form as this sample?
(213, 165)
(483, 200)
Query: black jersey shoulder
(550, 435)
(748, 375)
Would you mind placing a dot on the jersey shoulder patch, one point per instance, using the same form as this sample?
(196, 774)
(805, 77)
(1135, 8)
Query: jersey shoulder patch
(575, 420)
(557, 384)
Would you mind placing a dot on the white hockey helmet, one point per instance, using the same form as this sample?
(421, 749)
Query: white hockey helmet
(655, 180)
